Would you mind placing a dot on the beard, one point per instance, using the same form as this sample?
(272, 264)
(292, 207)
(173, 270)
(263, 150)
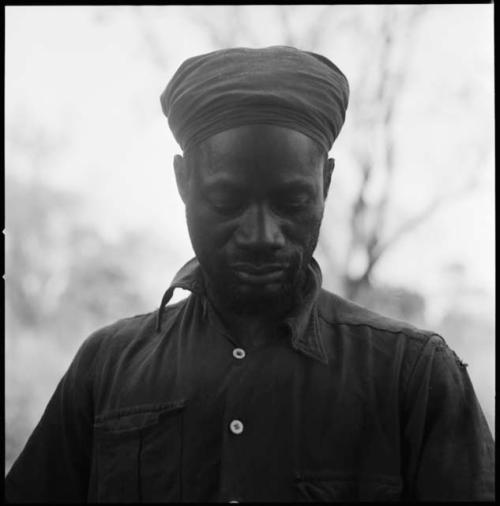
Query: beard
(244, 300)
(265, 301)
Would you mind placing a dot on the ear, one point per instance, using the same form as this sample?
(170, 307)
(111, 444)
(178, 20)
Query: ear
(182, 177)
(327, 175)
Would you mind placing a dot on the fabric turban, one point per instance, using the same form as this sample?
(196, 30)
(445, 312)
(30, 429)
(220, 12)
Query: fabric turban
(278, 85)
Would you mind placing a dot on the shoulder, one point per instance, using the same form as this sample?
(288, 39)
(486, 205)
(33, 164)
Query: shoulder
(336, 311)
(348, 329)
(344, 319)
(121, 331)
(129, 331)
(113, 347)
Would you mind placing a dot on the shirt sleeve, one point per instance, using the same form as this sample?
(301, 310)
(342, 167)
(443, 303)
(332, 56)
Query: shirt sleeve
(448, 449)
(54, 465)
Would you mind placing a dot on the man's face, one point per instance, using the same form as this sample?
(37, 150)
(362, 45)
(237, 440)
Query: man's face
(254, 205)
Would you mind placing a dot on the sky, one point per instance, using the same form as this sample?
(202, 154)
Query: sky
(83, 78)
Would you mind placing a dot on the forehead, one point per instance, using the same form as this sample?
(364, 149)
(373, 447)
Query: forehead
(260, 153)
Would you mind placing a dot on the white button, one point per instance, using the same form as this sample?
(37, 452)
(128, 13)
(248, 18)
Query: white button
(236, 427)
(239, 353)
(234, 500)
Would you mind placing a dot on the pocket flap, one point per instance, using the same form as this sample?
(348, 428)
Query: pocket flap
(135, 418)
(338, 487)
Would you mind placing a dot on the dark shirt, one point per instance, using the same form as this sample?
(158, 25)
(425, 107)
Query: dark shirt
(344, 404)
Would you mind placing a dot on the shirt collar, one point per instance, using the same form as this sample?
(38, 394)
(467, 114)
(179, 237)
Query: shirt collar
(302, 324)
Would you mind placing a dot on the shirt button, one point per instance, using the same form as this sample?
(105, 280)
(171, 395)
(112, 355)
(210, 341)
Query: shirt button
(239, 353)
(236, 427)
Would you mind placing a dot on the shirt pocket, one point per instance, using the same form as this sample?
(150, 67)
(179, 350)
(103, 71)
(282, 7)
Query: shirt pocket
(336, 487)
(137, 454)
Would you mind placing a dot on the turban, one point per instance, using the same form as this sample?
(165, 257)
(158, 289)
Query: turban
(277, 85)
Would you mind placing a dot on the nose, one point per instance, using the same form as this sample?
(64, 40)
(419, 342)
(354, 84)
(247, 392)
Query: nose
(259, 230)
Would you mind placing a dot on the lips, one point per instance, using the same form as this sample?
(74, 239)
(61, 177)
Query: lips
(259, 274)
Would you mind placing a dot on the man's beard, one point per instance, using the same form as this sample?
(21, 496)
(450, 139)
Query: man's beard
(229, 292)
(259, 301)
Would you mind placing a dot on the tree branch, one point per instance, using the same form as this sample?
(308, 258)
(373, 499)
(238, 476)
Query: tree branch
(389, 92)
(417, 220)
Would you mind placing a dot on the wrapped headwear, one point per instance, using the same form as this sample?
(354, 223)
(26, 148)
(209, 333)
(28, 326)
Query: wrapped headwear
(278, 85)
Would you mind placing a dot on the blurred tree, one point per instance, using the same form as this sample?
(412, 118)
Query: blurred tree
(389, 34)
(59, 269)
(63, 279)
(61, 274)
(467, 320)
(376, 95)
(393, 301)
(33, 228)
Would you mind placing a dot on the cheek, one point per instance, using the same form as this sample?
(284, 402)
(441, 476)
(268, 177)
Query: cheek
(207, 231)
(303, 228)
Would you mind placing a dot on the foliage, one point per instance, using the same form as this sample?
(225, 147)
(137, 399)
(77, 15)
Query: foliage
(63, 281)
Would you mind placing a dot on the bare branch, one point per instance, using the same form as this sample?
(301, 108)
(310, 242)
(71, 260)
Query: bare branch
(417, 220)
(358, 212)
(389, 93)
(354, 284)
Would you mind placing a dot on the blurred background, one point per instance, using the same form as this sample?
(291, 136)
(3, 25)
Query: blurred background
(95, 230)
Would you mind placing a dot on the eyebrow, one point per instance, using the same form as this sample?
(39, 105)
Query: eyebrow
(229, 183)
(296, 185)
(223, 182)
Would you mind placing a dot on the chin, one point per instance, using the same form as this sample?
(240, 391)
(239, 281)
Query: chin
(268, 300)
(264, 306)
(254, 296)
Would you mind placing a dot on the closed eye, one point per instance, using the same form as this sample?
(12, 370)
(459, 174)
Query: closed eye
(226, 205)
(293, 203)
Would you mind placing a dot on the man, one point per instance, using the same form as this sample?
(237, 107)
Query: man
(260, 386)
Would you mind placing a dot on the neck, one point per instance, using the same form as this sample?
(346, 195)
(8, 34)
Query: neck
(249, 329)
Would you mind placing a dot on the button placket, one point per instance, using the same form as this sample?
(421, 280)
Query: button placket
(235, 428)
